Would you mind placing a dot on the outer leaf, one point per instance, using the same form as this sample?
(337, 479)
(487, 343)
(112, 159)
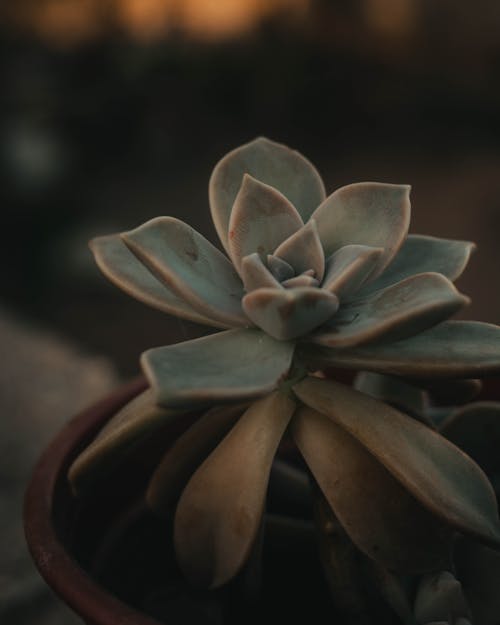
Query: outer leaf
(366, 213)
(288, 313)
(302, 250)
(437, 473)
(377, 512)
(255, 274)
(272, 163)
(191, 266)
(186, 455)
(235, 365)
(397, 312)
(420, 254)
(453, 349)
(440, 598)
(128, 273)
(349, 267)
(261, 218)
(139, 419)
(220, 511)
(476, 430)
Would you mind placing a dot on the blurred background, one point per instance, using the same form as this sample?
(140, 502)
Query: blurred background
(115, 111)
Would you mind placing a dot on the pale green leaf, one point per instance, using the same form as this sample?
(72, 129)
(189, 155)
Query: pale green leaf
(255, 274)
(261, 218)
(453, 349)
(235, 365)
(365, 213)
(419, 254)
(272, 163)
(128, 273)
(302, 251)
(397, 312)
(191, 266)
(286, 314)
(349, 267)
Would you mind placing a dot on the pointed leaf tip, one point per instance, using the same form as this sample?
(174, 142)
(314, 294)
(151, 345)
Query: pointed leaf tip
(260, 219)
(366, 213)
(420, 254)
(271, 163)
(302, 250)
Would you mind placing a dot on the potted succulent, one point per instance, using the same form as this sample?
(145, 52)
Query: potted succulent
(247, 433)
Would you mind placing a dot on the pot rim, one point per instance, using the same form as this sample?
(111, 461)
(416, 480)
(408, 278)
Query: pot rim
(52, 558)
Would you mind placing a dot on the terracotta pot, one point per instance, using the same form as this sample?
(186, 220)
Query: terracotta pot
(73, 541)
(49, 508)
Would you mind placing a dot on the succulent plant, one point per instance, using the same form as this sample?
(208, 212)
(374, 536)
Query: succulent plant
(309, 283)
(475, 428)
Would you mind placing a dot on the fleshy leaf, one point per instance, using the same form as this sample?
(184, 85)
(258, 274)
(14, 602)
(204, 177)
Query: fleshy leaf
(128, 273)
(191, 266)
(401, 534)
(186, 455)
(365, 213)
(261, 218)
(476, 430)
(436, 473)
(394, 391)
(139, 419)
(349, 267)
(272, 163)
(453, 349)
(235, 365)
(302, 280)
(279, 268)
(399, 311)
(286, 314)
(220, 510)
(255, 274)
(302, 250)
(420, 254)
(440, 598)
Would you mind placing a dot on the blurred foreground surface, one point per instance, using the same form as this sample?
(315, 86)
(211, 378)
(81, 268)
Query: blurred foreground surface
(46, 382)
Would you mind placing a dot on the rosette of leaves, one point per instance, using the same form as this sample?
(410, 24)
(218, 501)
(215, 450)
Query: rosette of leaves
(309, 282)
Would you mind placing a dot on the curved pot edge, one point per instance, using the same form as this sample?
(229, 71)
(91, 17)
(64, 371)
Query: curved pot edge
(63, 574)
